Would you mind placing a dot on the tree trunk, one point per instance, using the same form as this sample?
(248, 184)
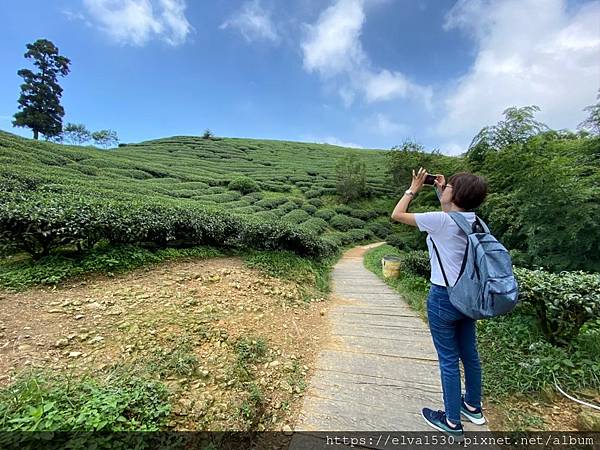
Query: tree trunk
(35, 134)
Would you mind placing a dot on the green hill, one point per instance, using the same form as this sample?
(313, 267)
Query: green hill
(183, 166)
(178, 191)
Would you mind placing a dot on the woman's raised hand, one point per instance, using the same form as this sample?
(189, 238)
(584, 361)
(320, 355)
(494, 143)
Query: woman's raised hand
(439, 182)
(417, 180)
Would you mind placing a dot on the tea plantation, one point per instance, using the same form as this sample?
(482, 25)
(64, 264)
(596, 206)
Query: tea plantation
(185, 191)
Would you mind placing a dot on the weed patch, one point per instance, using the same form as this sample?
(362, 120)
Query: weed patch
(121, 401)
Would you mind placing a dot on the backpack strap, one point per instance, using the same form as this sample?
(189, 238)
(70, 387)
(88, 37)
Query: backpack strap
(464, 225)
(461, 222)
(483, 224)
(440, 262)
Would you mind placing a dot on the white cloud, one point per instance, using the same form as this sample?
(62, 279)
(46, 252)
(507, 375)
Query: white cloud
(173, 17)
(253, 22)
(332, 48)
(452, 148)
(135, 22)
(529, 52)
(347, 94)
(332, 45)
(386, 84)
(332, 140)
(71, 15)
(383, 125)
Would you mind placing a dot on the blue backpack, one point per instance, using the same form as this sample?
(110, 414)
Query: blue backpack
(486, 286)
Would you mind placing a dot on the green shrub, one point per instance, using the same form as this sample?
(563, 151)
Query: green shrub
(345, 237)
(336, 239)
(197, 186)
(270, 203)
(363, 214)
(517, 359)
(288, 206)
(276, 236)
(325, 214)
(225, 197)
(304, 185)
(314, 224)
(316, 202)
(216, 189)
(381, 230)
(42, 222)
(310, 209)
(358, 234)
(245, 185)
(186, 193)
(271, 215)
(562, 302)
(351, 174)
(300, 179)
(343, 209)
(416, 262)
(12, 182)
(409, 239)
(247, 210)
(557, 231)
(87, 170)
(275, 187)
(344, 223)
(39, 223)
(520, 258)
(396, 240)
(296, 216)
(253, 196)
(313, 193)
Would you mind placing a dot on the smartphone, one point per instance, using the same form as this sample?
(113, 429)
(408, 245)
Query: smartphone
(429, 179)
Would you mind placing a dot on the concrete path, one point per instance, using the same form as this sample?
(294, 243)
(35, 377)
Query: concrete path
(380, 367)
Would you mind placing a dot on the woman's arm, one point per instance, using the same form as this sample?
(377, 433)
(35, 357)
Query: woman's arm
(399, 214)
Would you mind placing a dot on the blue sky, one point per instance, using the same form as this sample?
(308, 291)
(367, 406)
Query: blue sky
(365, 73)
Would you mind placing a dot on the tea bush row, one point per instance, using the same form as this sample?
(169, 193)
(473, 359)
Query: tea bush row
(344, 223)
(39, 223)
(296, 216)
(562, 302)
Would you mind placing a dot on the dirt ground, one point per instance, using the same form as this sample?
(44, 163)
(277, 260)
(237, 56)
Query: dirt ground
(94, 323)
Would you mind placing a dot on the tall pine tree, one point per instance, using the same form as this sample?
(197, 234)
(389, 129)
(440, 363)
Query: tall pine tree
(40, 93)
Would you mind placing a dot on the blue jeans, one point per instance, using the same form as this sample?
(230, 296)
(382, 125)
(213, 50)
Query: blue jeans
(454, 337)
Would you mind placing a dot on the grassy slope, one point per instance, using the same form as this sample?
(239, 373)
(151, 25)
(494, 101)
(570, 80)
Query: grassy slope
(180, 170)
(180, 167)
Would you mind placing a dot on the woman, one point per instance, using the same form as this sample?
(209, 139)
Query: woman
(452, 332)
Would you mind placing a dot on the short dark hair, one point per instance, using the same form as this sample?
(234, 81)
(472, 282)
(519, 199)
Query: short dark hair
(468, 190)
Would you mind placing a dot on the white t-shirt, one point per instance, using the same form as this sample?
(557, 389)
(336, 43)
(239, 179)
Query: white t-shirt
(449, 240)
